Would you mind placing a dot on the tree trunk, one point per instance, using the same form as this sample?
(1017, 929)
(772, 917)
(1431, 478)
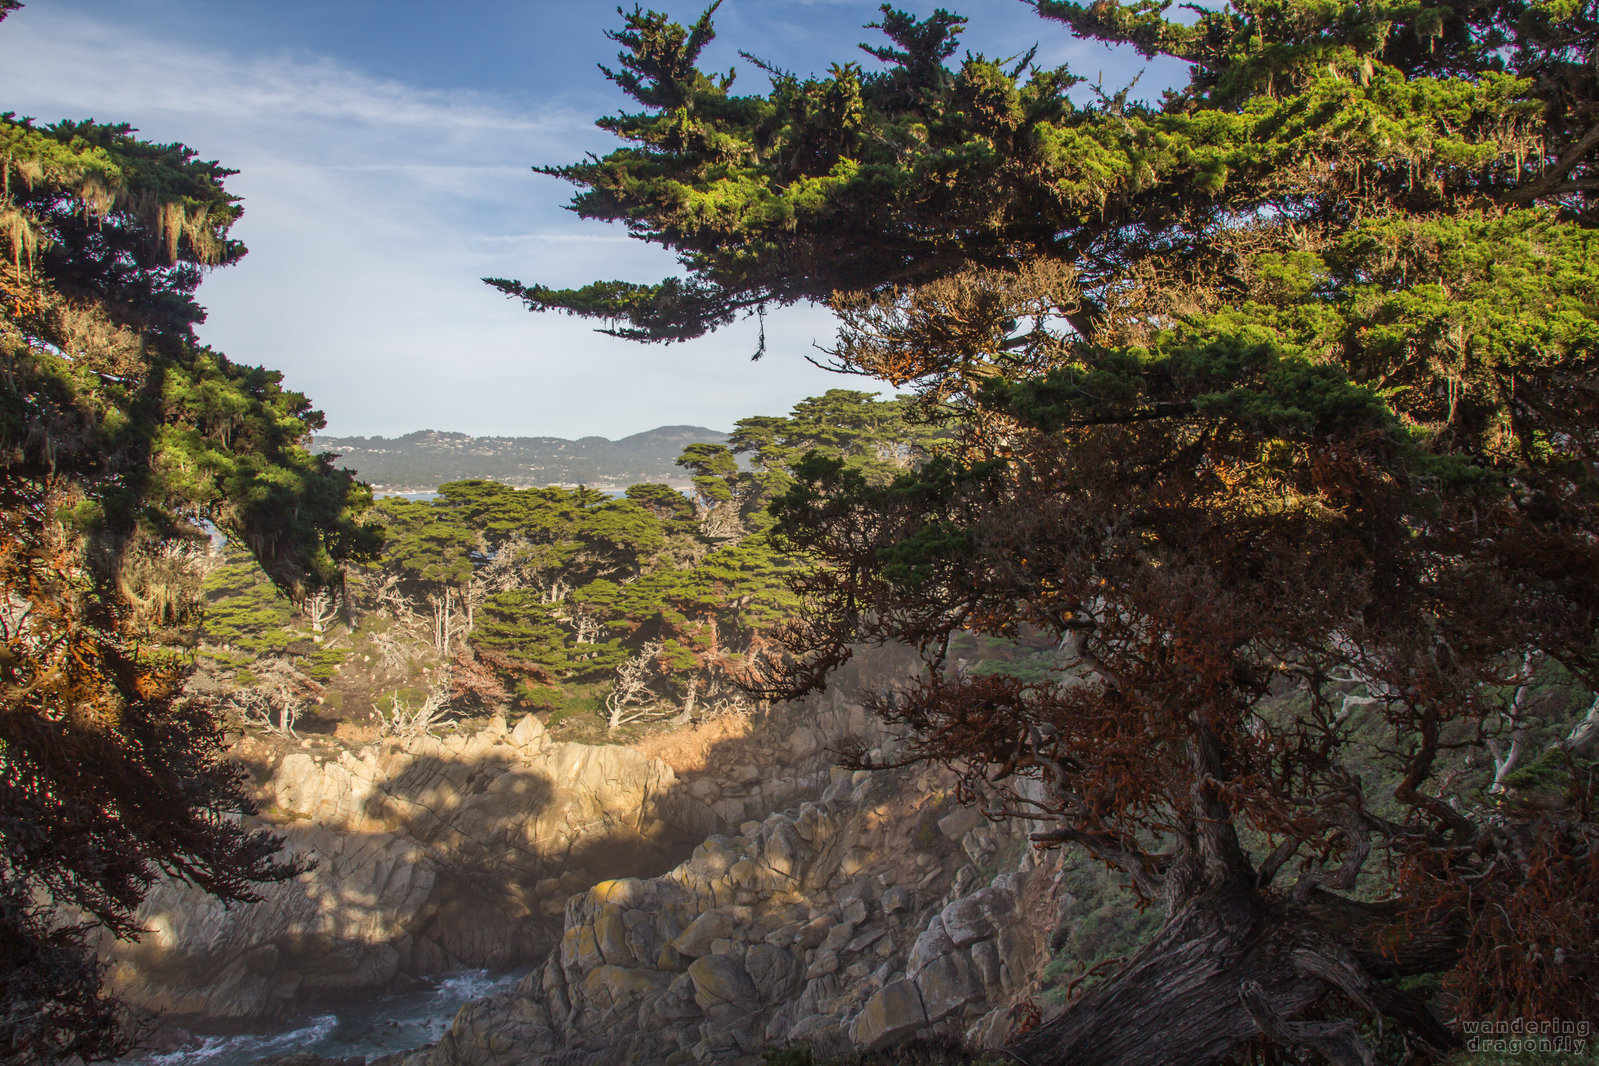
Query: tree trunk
(1229, 964)
(686, 715)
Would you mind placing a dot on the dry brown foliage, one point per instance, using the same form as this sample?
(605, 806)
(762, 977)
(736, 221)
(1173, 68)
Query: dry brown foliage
(689, 749)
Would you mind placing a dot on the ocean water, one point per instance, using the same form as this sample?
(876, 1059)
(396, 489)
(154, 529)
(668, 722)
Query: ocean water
(375, 1025)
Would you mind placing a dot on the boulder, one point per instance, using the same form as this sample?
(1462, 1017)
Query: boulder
(838, 936)
(893, 1013)
(775, 972)
(896, 898)
(803, 742)
(932, 944)
(703, 932)
(985, 957)
(946, 986)
(822, 964)
(721, 979)
(617, 986)
(529, 733)
(960, 822)
(966, 921)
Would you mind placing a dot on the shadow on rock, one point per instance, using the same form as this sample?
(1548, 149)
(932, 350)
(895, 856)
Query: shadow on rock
(431, 855)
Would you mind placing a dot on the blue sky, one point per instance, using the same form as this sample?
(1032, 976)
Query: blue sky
(384, 149)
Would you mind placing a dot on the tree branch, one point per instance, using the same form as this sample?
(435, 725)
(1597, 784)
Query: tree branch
(1549, 183)
(1338, 1042)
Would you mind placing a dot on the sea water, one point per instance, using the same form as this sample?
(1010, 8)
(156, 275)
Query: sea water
(374, 1025)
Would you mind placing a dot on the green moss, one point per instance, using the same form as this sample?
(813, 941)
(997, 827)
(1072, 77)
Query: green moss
(1106, 922)
(324, 662)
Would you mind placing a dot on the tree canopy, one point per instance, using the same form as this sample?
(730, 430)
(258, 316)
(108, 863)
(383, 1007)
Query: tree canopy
(123, 443)
(1278, 408)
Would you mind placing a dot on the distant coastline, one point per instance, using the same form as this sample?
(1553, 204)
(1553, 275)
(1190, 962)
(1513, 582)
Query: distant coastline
(419, 462)
(685, 487)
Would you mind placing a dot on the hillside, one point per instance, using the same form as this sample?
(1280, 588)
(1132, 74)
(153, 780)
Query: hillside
(428, 458)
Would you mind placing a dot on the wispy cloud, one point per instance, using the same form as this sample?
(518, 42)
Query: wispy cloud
(76, 62)
(372, 208)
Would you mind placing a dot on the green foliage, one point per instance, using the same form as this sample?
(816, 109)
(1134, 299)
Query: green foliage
(864, 178)
(426, 545)
(247, 620)
(668, 505)
(1285, 378)
(520, 623)
(708, 461)
(1106, 922)
(878, 438)
(121, 439)
(1035, 658)
(321, 663)
(620, 535)
(570, 584)
(244, 611)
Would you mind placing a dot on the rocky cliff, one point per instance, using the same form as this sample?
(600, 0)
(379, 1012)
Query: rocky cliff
(758, 897)
(430, 855)
(442, 854)
(875, 913)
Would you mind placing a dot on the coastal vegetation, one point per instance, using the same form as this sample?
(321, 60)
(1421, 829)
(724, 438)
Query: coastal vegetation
(1240, 512)
(123, 443)
(1276, 410)
(416, 462)
(599, 611)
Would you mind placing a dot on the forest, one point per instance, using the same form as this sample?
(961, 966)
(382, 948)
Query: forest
(1255, 427)
(1277, 409)
(593, 610)
(425, 459)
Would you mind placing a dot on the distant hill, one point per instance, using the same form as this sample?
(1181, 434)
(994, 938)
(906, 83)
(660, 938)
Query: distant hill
(427, 458)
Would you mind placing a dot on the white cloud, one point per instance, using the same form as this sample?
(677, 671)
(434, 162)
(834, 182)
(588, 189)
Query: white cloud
(372, 209)
(374, 206)
(83, 63)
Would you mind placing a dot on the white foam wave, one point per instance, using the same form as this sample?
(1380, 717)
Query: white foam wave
(249, 1045)
(363, 1025)
(464, 985)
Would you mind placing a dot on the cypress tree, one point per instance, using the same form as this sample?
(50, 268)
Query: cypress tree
(1278, 408)
(123, 443)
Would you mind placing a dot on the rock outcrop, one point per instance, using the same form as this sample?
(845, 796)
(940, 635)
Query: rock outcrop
(442, 854)
(430, 855)
(834, 924)
(869, 909)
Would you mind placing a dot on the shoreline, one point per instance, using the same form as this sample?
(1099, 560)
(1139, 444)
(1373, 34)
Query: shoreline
(684, 486)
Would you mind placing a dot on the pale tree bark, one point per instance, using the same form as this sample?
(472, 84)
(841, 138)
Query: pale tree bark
(585, 626)
(720, 520)
(502, 574)
(1508, 757)
(403, 720)
(321, 608)
(631, 698)
(1230, 964)
(690, 698)
(1234, 958)
(447, 608)
(276, 699)
(1584, 732)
